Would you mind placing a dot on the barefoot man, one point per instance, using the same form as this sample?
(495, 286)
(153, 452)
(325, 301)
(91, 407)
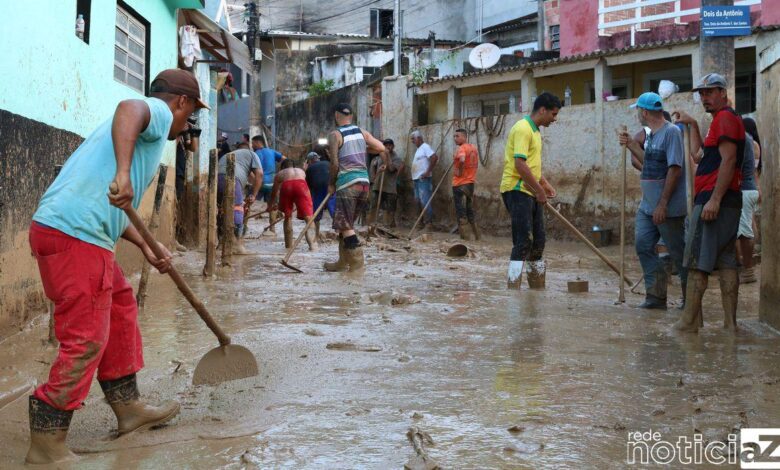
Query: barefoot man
(290, 185)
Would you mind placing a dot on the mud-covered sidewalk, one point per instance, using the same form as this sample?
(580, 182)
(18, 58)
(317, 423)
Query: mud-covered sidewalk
(482, 376)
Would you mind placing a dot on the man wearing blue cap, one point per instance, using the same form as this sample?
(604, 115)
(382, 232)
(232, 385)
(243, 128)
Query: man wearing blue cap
(662, 211)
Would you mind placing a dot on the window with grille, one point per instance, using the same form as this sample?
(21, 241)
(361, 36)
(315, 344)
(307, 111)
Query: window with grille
(130, 50)
(555, 37)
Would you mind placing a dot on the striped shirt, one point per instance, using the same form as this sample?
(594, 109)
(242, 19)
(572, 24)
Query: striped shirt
(352, 158)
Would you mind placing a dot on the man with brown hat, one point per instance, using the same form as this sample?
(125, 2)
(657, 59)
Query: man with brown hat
(73, 236)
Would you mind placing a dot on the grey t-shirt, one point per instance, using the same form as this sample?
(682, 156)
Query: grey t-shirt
(749, 166)
(663, 149)
(391, 175)
(246, 161)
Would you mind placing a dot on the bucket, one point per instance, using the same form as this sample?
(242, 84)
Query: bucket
(601, 236)
(458, 250)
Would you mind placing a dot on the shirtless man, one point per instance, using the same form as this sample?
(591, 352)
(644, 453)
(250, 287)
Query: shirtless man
(290, 185)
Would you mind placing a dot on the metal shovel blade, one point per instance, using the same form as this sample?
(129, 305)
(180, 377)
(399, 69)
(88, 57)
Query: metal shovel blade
(289, 266)
(225, 363)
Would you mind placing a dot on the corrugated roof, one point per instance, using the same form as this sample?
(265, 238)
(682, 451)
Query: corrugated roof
(564, 60)
(580, 57)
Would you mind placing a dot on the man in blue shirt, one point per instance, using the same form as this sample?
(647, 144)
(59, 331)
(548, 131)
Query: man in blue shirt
(663, 208)
(72, 236)
(268, 159)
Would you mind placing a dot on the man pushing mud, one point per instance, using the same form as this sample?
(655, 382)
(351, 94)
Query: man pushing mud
(73, 236)
(349, 145)
(291, 190)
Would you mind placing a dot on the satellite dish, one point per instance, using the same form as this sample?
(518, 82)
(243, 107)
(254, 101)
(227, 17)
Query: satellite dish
(484, 56)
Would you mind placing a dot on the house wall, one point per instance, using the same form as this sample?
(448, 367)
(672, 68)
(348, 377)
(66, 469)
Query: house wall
(579, 21)
(300, 124)
(557, 84)
(63, 89)
(449, 19)
(437, 107)
(769, 109)
(579, 32)
(588, 193)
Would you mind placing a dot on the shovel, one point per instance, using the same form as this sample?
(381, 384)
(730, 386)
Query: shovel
(372, 228)
(286, 258)
(443, 176)
(221, 364)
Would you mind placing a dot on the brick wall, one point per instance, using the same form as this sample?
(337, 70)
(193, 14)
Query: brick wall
(552, 17)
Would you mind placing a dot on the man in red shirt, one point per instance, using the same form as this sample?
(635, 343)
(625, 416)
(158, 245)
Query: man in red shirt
(712, 228)
(466, 162)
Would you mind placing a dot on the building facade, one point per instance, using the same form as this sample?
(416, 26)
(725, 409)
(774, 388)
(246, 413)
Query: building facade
(60, 87)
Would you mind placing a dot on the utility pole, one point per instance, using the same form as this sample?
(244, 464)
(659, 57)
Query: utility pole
(716, 53)
(432, 38)
(253, 43)
(397, 38)
(540, 25)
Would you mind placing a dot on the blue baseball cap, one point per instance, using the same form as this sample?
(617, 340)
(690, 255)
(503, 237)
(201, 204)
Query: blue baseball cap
(649, 101)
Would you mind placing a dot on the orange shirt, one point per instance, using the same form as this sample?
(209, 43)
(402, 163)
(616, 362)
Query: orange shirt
(467, 160)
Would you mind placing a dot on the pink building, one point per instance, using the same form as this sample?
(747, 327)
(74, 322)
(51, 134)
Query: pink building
(585, 26)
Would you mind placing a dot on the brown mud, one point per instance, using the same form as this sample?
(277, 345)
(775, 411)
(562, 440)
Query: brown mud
(500, 379)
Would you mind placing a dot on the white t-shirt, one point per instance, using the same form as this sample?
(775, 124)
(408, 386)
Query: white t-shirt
(422, 160)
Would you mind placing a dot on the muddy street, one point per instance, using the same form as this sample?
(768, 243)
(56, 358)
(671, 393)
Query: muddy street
(437, 347)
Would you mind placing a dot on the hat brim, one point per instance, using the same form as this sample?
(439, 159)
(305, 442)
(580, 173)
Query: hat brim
(200, 104)
(634, 106)
(709, 87)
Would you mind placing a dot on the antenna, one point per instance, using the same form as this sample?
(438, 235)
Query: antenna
(484, 56)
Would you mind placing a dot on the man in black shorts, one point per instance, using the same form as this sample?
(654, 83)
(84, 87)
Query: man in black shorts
(712, 231)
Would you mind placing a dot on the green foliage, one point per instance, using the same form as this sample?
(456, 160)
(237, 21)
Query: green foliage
(419, 74)
(321, 88)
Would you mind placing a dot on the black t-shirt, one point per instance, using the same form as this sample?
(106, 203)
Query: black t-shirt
(318, 176)
(224, 148)
(181, 160)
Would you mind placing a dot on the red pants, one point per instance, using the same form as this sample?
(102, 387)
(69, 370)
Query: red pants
(95, 316)
(295, 192)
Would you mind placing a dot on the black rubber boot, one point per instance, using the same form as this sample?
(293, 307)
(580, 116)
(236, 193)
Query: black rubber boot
(48, 430)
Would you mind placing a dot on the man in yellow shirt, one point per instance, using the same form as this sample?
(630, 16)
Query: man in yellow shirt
(525, 191)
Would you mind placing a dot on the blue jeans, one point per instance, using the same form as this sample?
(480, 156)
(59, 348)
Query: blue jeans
(423, 189)
(318, 197)
(647, 235)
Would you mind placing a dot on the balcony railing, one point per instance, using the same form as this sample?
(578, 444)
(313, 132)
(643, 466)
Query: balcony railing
(636, 18)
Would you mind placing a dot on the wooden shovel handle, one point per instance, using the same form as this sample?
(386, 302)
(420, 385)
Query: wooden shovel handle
(139, 225)
(308, 225)
(430, 200)
(587, 242)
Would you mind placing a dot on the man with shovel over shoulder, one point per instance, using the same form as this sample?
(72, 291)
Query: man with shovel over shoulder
(349, 146)
(662, 211)
(525, 191)
(72, 236)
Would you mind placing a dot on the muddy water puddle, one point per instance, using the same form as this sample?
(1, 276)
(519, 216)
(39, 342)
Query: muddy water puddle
(570, 375)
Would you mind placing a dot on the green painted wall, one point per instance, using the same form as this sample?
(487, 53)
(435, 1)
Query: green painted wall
(53, 77)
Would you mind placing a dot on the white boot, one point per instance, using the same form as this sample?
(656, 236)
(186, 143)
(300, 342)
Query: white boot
(515, 275)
